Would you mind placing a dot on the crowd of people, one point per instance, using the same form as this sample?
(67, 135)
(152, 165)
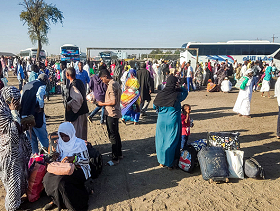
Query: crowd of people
(122, 91)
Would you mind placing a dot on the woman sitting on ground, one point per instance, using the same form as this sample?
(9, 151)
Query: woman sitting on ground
(69, 190)
(211, 87)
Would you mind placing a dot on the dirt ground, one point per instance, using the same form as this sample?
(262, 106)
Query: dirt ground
(137, 183)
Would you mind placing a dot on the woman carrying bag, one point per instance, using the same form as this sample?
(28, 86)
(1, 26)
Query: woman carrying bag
(68, 191)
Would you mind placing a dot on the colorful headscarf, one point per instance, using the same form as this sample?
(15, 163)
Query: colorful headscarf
(131, 93)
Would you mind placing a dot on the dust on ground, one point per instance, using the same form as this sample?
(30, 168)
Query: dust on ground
(137, 183)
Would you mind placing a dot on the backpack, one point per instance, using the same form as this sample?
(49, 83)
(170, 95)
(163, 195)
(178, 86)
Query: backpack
(95, 161)
(253, 169)
(188, 159)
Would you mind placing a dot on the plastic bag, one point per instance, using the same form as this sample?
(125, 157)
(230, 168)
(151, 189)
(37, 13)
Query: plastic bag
(35, 185)
(235, 163)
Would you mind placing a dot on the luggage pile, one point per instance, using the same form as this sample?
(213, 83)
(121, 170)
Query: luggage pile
(220, 158)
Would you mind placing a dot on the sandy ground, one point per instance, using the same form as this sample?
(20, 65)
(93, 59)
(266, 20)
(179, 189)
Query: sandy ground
(137, 183)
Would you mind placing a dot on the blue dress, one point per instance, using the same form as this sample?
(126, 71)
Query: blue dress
(168, 131)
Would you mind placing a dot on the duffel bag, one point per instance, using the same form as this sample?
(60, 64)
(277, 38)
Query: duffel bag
(198, 144)
(227, 140)
(253, 169)
(188, 159)
(95, 161)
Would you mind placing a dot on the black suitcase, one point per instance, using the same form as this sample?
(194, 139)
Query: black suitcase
(213, 164)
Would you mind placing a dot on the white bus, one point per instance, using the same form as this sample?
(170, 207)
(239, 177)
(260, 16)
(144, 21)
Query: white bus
(70, 52)
(231, 50)
(30, 53)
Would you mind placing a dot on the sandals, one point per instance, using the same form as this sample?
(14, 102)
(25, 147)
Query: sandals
(50, 206)
(123, 121)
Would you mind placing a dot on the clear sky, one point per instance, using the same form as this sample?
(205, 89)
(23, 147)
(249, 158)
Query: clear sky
(145, 23)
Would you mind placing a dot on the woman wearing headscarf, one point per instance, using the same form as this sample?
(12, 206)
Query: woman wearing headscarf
(266, 81)
(243, 102)
(212, 87)
(169, 128)
(130, 99)
(69, 190)
(152, 74)
(198, 76)
(15, 148)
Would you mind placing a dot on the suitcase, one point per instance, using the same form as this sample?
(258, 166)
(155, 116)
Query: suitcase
(227, 140)
(213, 164)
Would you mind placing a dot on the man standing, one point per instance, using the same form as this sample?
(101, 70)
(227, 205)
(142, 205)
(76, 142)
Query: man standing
(256, 72)
(34, 73)
(189, 76)
(82, 75)
(65, 83)
(76, 104)
(32, 103)
(144, 78)
(20, 75)
(118, 72)
(112, 113)
(244, 68)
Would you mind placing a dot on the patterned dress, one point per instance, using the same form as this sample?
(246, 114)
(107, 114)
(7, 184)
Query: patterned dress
(15, 151)
(130, 101)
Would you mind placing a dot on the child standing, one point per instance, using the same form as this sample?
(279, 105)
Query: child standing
(186, 125)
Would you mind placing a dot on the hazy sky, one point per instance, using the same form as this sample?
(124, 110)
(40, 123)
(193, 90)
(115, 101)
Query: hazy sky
(145, 23)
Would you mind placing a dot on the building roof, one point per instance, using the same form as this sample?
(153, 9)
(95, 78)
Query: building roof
(6, 54)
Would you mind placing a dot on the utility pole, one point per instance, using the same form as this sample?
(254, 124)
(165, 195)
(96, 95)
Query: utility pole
(273, 38)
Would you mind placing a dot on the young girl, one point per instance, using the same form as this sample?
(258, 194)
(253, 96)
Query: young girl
(186, 125)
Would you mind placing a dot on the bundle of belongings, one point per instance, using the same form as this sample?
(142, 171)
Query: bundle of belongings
(220, 158)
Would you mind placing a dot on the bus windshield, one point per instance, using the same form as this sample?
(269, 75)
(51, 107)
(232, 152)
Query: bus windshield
(70, 53)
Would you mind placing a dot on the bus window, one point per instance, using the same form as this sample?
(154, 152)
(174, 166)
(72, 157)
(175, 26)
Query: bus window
(229, 50)
(207, 50)
(277, 56)
(215, 50)
(244, 49)
(270, 49)
(222, 50)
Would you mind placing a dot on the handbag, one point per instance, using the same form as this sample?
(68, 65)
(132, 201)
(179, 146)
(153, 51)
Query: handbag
(59, 168)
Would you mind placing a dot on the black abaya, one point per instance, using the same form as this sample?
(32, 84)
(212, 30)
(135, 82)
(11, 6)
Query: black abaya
(68, 190)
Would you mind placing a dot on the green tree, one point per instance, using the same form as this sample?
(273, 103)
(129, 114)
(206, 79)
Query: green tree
(38, 15)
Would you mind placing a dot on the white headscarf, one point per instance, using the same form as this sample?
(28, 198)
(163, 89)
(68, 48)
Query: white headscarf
(74, 145)
(248, 71)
